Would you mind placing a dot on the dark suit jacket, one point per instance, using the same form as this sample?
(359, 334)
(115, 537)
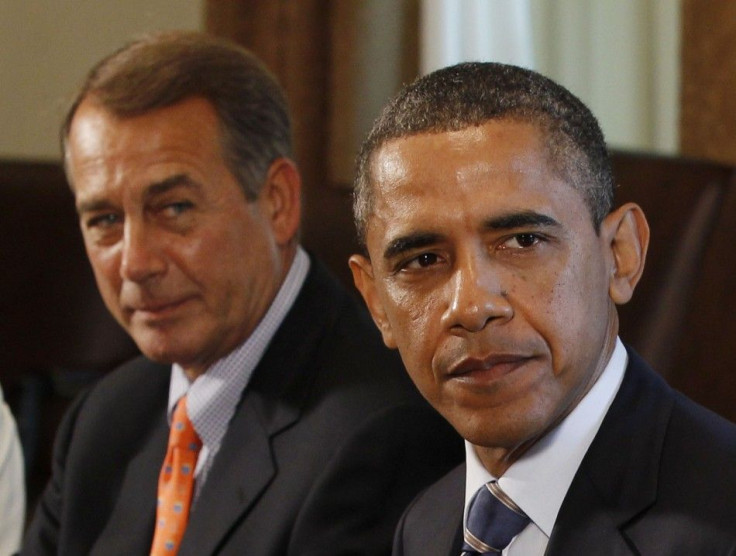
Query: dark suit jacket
(328, 445)
(658, 479)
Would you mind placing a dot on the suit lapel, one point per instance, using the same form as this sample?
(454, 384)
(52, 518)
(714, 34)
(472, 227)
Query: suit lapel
(617, 479)
(457, 541)
(586, 524)
(432, 525)
(273, 400)
(242, 470)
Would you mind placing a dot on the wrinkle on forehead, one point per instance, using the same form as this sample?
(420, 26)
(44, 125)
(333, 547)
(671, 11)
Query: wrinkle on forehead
(392, 171)
(479, 170)
(388, 167)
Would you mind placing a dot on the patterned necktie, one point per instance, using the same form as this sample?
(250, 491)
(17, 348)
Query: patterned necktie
(493, 520)
(176, 483)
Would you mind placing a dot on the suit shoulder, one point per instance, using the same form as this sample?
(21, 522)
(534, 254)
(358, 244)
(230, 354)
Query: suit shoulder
(432, 524)
(342, 339)
(707, 437)
(129, 395)
(442, 498)
(697, 478)
(689, 414)
(137, 379)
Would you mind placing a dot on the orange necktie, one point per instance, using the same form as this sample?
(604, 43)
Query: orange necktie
(176, 483)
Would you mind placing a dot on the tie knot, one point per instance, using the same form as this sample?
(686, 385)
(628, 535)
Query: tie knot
(182, 433)
(493, 520)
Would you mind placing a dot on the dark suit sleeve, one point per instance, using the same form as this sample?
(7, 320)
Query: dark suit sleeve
(398, 545)
(42, 536)
(355, 504)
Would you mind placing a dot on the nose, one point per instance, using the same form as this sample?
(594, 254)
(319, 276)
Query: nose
(141, 258)
(477, 295)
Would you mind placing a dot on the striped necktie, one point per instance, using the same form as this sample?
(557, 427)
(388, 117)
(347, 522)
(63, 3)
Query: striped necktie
(176, 483)
(493, 521)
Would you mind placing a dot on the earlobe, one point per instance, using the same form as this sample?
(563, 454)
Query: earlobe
(363, 277)
(282, 194)
(627, 232)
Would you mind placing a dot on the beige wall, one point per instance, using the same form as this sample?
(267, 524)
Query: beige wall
(47, 46)
(628, 74)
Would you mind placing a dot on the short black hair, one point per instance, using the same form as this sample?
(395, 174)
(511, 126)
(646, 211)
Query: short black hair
(471, 94)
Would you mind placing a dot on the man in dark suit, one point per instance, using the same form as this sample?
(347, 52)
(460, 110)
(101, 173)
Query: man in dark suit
(494, 263)
(303, 435)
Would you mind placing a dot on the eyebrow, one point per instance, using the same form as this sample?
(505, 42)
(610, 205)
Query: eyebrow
(167, 184)
(520, 219)
(409, 242)
(156, 188)
(93, 206)
(509, 221)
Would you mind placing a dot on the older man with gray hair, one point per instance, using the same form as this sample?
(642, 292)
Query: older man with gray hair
(291, 430)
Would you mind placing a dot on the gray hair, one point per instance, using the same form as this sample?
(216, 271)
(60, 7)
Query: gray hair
(162, 69)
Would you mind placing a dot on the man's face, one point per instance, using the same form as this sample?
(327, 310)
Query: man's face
(486, 272)
(184, 263)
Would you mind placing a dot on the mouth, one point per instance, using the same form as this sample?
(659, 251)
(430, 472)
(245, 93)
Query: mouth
(486, 369)
(157, 310)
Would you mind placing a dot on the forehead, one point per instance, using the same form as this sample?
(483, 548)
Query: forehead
(454, 177)
(96, 132)
(104, 149)
(497, 144)
(501, 158)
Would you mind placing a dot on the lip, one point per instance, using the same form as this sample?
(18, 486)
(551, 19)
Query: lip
(486, 369)
(157, 309)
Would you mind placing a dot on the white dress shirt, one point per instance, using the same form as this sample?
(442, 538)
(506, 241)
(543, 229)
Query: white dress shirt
(539, 480)
(213, 396)
(12, 483)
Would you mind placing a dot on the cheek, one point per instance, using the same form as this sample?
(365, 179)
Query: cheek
(197, 253)
(414, 321)
(106, 268)
(410, 314)
(213, 259)
(239, 277)
(569, 311)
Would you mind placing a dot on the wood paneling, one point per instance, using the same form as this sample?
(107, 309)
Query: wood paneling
(311, 46)
(708, 115)
(53, 318)
(293, 39)
(680, 318)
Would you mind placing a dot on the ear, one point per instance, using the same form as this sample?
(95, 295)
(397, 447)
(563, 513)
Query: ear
(363, 277)
(626, 232)
(281, 194)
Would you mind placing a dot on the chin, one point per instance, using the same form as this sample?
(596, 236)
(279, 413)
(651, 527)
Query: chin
(156, 348)
(494, 429)
(158, 355)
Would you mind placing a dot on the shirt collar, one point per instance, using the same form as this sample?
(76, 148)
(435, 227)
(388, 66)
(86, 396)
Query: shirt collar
(540, 479)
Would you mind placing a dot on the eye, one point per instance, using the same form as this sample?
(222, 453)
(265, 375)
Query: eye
(521, 241)
(422, 261)
(177, 208)
(103, 221)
